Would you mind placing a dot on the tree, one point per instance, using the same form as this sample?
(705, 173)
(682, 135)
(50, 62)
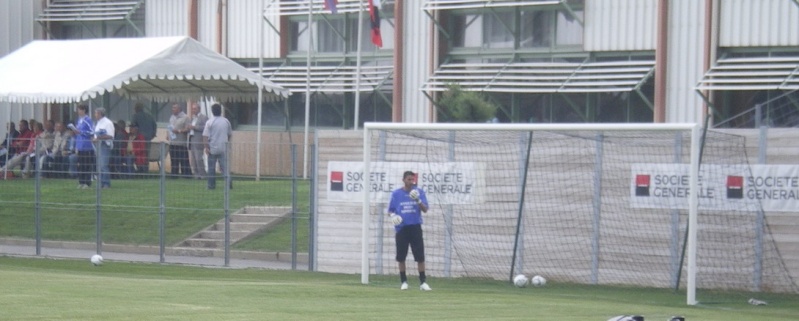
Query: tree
(459, 106)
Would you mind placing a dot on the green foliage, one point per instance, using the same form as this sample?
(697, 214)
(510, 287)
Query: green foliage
(44, 289)
(459, 106)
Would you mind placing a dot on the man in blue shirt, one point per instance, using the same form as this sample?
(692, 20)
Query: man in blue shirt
(84, 132)
(405, 209)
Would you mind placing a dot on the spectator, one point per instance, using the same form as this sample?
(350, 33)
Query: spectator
(72, 159)
(83, 131)
(57, 164)
(104, 142)
(6, 149)
(216, 137)
(136, 151)
(25, 137)
(145, 122)
(23, 158)
(118, 152)
(196, 147)
(44, 149)
(178, 140)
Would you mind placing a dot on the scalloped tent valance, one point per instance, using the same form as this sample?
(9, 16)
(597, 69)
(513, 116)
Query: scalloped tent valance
(167, 68)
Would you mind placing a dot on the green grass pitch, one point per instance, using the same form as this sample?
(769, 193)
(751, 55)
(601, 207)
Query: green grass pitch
(66, 289)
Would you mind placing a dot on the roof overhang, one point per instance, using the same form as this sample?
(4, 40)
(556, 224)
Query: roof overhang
(543, 77)
(478, 4)
(756, 73)
(301, 8)
(330, 79)
(160, 69)
(76, 11)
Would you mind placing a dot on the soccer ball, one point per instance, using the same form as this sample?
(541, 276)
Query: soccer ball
(520, 281)
(538, 281)
(97, 259)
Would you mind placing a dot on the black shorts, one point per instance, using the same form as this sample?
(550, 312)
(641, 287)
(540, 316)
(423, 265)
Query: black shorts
(410, 235)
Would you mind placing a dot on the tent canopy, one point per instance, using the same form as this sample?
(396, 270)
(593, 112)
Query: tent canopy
(160, 69)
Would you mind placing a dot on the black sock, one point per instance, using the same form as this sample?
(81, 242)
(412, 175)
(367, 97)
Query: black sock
(403, 277)
(422, 277)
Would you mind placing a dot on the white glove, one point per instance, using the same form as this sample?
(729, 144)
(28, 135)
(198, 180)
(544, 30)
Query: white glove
(414, 194)
(396, 219)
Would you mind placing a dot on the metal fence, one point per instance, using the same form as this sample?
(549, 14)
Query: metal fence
(778, 111)
(162, 207)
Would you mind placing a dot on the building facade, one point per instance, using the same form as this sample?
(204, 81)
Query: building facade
(537, 60)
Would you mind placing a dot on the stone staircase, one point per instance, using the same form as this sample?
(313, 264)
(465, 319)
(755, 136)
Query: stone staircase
(243, 223)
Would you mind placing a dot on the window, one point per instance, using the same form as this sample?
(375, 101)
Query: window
(535, 29)
(329, 39)
(498, 30)
(330, 35)
(568, 30)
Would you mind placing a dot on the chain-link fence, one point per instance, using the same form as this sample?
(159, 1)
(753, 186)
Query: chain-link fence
(160, 202)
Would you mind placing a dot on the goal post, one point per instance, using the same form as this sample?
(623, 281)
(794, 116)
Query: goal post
(576, 203)
(371, 128)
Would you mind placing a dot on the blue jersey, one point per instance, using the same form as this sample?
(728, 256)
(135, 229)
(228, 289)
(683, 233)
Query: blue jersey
(403, 205)
(83, 140)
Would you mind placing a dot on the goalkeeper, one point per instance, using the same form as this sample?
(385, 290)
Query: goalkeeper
(405, 209)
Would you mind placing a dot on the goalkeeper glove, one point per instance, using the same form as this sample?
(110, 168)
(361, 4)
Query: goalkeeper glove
(396, 219)
(414, 194)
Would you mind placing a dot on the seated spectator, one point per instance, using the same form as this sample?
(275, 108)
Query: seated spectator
(56, 163)
(136, 151)
(6, 148)
(44, 149)
(23, 157)
(34, 150)
(118, 149)
(23, 139)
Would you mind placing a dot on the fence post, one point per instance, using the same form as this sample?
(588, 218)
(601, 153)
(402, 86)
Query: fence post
(312, 208)
(38, 206)
(293, 206)
(162, 203)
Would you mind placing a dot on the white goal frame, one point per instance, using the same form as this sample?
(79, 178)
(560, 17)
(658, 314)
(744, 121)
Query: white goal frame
(693, 200)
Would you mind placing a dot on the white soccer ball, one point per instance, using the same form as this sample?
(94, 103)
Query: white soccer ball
(520, 281)
(538, 281)
(97, 259)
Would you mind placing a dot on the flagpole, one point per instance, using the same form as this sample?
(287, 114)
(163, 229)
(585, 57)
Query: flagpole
(260, 92)
(358, 67)
(307, 90)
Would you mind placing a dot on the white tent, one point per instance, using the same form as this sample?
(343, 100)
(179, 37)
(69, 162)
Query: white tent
(160, 69)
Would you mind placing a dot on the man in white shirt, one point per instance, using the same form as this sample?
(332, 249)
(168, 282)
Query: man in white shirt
(196, 145)
(103, 142)
(178, 141)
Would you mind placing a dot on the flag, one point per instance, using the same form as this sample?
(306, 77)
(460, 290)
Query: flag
(331, 5)
(374, 15)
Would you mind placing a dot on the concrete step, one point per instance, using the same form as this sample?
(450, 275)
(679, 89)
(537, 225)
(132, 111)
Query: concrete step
(211, 252)
(253, 218)
(243, 223)
(204, 243)
(245, 227)
(220, 235)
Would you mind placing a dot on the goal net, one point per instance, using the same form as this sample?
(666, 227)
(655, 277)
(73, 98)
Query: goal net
(576, 203)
